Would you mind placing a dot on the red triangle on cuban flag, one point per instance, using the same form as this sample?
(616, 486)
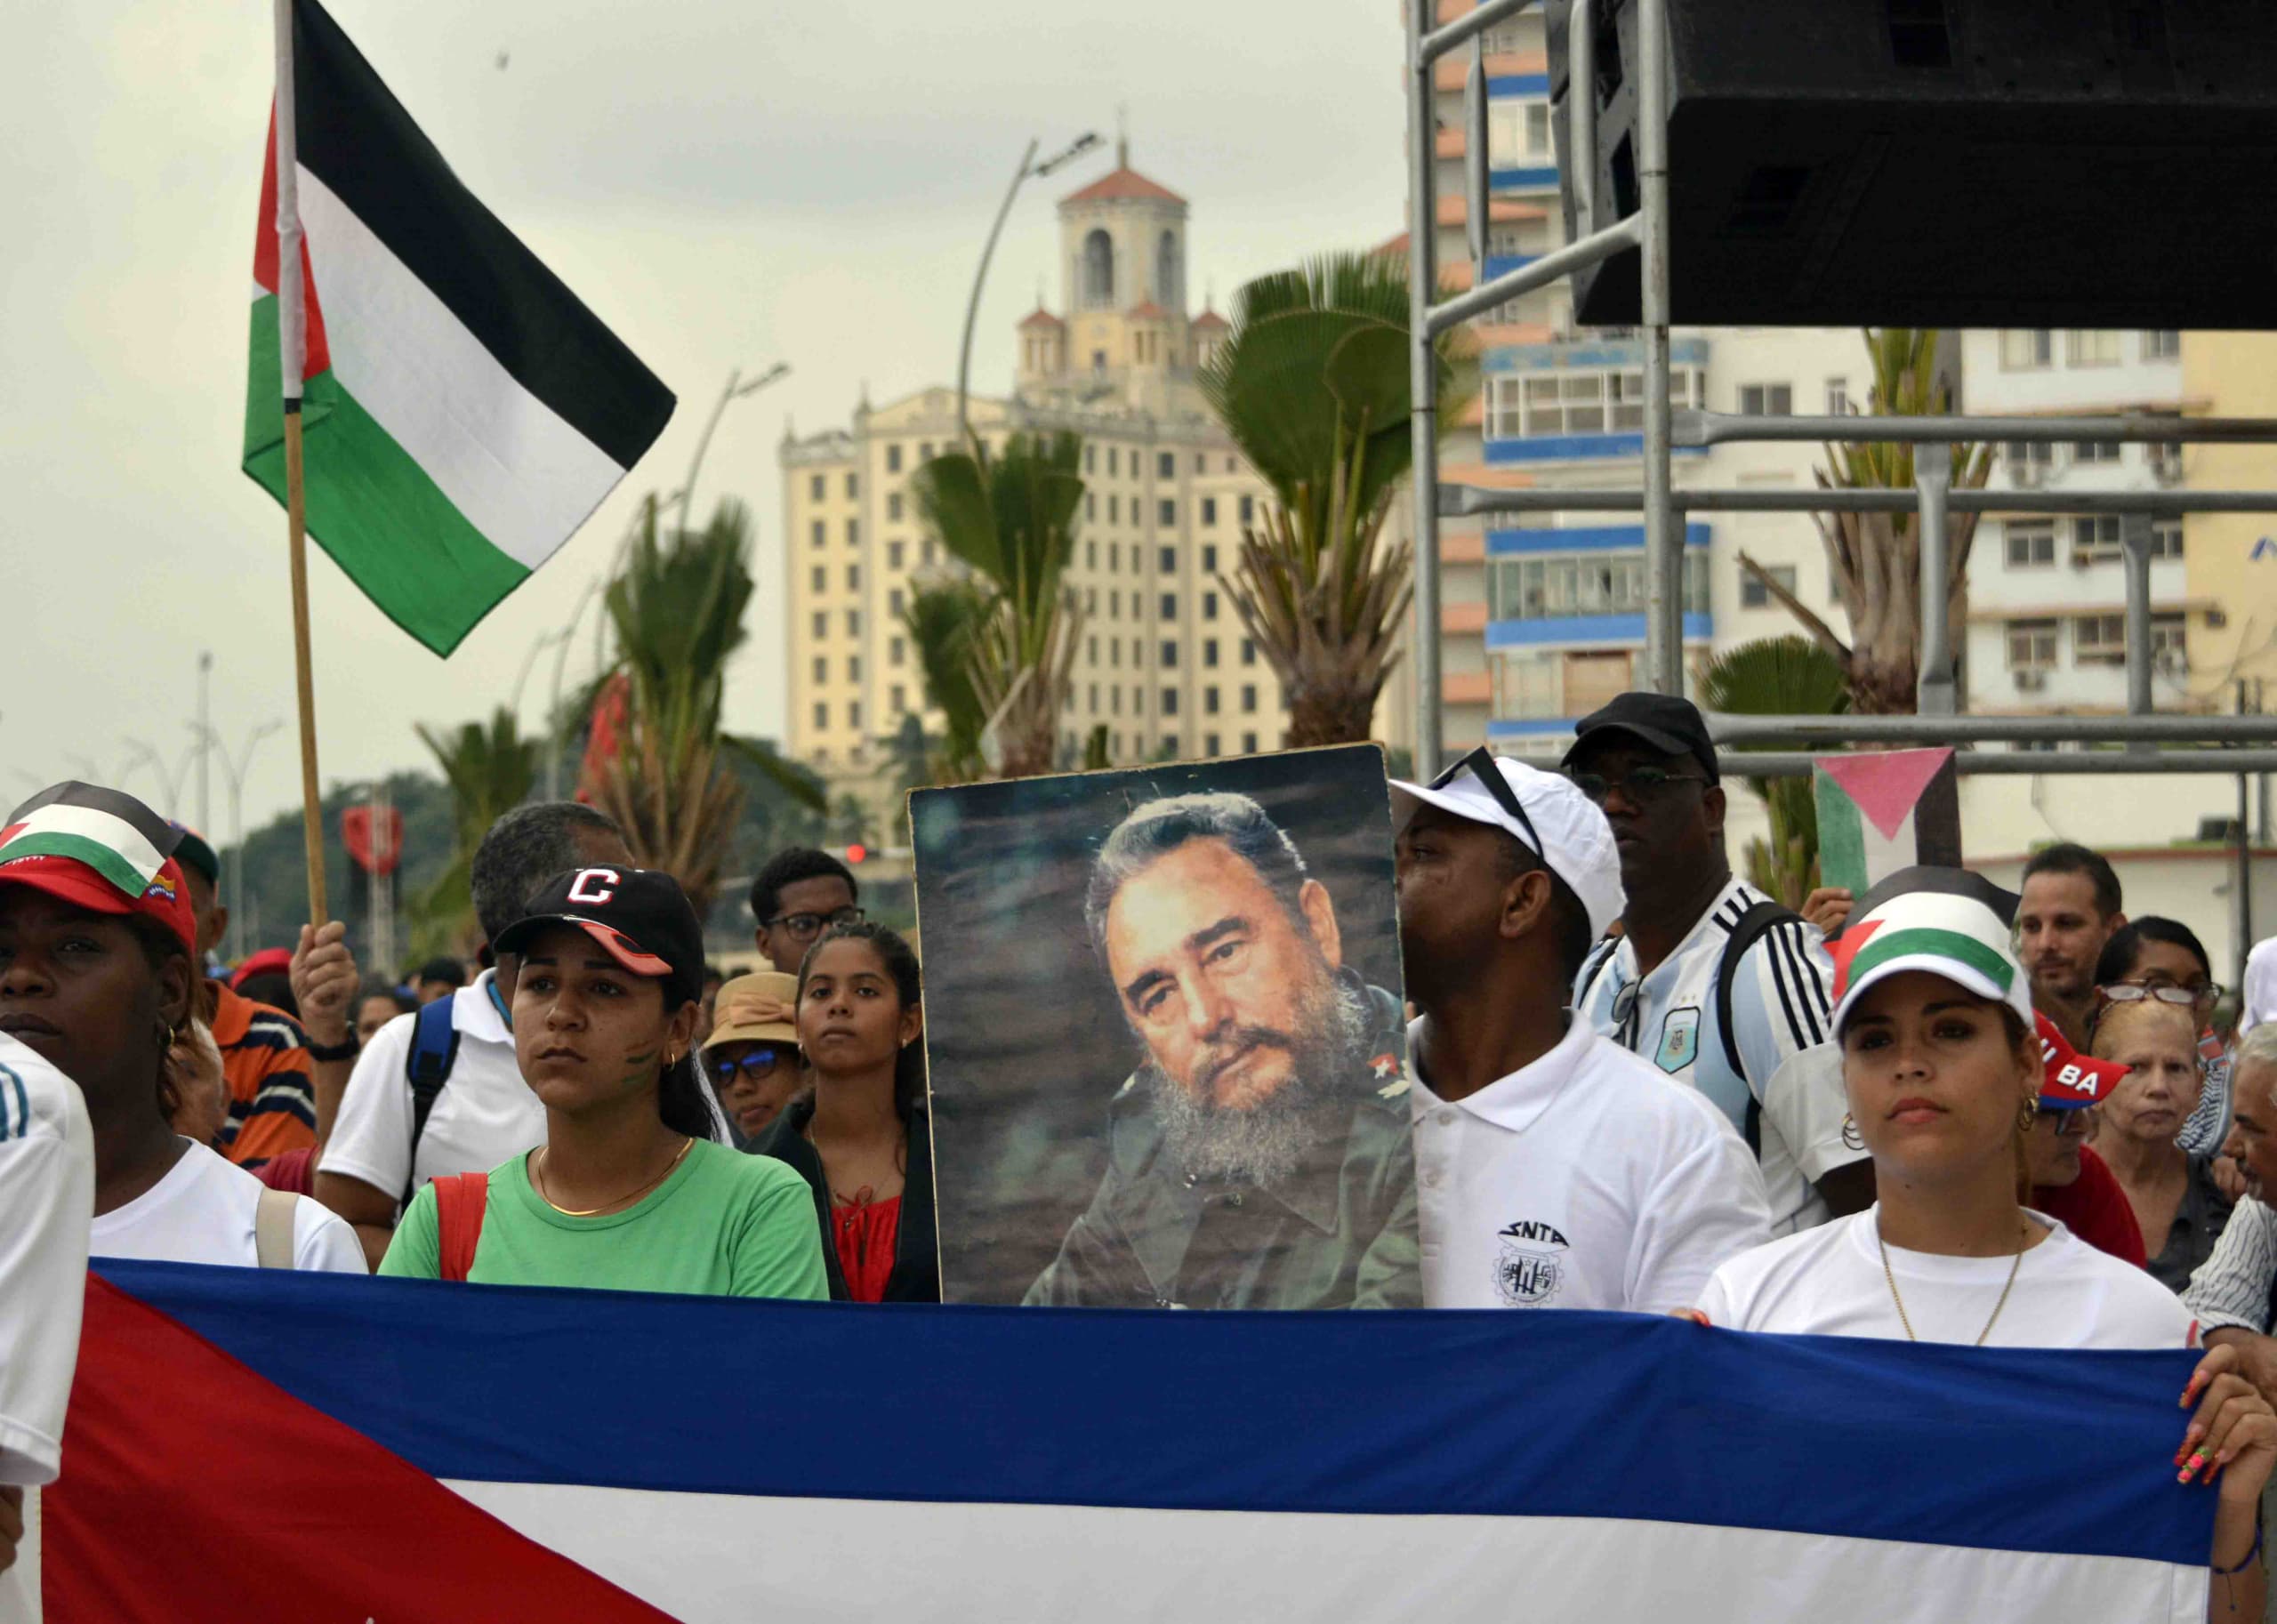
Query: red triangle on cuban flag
(173, 1449)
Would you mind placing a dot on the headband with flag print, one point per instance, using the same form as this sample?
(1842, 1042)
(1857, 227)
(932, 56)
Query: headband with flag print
(1946, 921)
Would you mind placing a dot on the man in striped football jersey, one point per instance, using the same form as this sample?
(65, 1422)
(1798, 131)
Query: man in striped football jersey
(1659, 989)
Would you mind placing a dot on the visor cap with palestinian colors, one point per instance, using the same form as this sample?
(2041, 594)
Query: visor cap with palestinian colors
(2070, 1080)
(1946, 921)
(100, 850)
(639, 916)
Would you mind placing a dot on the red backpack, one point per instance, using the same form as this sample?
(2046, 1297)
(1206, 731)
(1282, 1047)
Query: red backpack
(460, 1202)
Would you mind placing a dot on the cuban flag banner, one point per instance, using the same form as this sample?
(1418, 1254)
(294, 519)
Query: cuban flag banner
(255, 1447)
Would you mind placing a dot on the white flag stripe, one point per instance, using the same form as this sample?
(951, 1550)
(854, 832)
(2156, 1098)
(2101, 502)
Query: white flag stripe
(100, 827)
(726, 1558)
(512, 467)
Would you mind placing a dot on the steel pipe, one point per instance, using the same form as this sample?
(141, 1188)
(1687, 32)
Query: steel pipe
(1663, 531)
(1423, 371)
(1933, 479)
(1461, 501)
(1696, 429)
(2029, 763)
(1729, 728)
(1549, 268)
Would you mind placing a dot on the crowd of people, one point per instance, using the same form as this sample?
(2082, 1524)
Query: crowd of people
(1632, 1081)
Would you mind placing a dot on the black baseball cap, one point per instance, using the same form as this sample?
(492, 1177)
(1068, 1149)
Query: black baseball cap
(1669, 723)
(639, 916)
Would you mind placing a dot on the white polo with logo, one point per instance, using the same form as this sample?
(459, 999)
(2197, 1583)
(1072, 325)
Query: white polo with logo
(1782, 1007)
(1584, 1180)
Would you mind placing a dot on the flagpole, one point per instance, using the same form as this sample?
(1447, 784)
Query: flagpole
(292, 347)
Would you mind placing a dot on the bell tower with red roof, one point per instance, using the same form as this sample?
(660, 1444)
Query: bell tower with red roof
(1122, 250)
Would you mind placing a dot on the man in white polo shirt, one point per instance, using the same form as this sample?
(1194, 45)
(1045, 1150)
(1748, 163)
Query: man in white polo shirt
(468, 1109)
(1552, 1168)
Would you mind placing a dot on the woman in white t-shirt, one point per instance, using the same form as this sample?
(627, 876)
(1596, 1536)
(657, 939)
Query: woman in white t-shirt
(1944, 1071)
(98, 979)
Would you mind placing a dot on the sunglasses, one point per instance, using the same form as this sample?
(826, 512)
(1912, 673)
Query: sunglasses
(758, 1065)
(1643, 783)
(2070, 1124)
(1480, 764)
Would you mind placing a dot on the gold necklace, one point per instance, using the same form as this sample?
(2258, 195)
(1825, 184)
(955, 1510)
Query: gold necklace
(537, 1183)
(1893, 1297)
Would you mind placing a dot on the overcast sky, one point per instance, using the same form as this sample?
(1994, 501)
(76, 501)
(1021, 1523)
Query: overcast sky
(726, 182)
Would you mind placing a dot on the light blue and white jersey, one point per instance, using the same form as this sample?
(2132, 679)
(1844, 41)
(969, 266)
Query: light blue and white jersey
(1781, 1008)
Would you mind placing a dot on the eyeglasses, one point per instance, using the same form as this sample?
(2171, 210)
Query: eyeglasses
(806, 927)
(2135, 992)
(757, 1066)
(1481, 763)
(2071, 1124)
(1643, 783)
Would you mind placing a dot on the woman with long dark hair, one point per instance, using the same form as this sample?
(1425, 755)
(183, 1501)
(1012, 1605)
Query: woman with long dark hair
(862, 1138)
(98, 977)
(629, 1190)
(1943, 1067)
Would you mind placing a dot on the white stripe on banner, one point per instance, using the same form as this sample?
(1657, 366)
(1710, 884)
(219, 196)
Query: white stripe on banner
(521, 476)
(728, 1558)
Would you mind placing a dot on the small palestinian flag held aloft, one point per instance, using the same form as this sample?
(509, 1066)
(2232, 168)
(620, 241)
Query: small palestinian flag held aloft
(1884, 810)
(463, 412)
(113, 833)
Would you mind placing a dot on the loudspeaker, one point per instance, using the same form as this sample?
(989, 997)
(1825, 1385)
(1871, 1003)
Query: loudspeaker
(1943, 163)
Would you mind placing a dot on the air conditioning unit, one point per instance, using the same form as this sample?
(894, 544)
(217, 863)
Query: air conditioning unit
(2081, 559)
(2030, 681)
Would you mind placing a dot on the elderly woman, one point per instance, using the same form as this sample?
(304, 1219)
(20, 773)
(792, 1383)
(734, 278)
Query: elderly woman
(1943, 1068)
(2163, 961)
(2177, 1205)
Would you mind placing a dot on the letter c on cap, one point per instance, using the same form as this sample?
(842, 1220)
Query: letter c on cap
(603, 882)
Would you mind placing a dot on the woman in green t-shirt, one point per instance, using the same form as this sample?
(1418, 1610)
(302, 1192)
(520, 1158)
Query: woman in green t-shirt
(629, 1192)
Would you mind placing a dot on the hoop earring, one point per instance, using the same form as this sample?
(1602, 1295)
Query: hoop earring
(166, 1035)
(2025, 1115)
(1851, 1138)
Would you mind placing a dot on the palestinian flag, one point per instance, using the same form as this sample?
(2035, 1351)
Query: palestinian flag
(1884, 810)
(113, 833)
(1946, 921)
(462, 412)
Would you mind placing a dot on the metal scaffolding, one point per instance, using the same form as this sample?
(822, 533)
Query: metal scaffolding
(2252, 739)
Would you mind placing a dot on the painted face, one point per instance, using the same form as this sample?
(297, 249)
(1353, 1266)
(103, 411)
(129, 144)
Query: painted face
(2060, 933)
(77, 987)
(850, 1014)
(2253, 1133)
(1936, 1085)
(754, 1081)
(2158, 1043)
(1218, 980)
(588, 1032)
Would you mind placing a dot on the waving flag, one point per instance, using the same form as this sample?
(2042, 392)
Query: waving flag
(258, 1447)
(464, 413)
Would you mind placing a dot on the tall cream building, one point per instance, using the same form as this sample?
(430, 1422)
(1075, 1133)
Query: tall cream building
(1164, 665)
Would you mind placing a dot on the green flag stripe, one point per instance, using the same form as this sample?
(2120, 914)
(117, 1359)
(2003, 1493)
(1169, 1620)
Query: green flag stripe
(372, 507)
(83, 848)
(1887, 944)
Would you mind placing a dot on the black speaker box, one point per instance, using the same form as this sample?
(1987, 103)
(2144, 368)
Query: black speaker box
(1944, 163)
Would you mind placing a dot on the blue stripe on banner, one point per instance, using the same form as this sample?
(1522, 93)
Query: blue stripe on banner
(1549, 1414)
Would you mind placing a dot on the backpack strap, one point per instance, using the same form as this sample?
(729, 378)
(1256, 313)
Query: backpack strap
(460, 1199)
(1747, 930)
(272, 1229)
(434, 1052)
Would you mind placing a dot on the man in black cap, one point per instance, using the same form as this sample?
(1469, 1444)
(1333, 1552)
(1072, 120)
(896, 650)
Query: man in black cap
(1710, 980)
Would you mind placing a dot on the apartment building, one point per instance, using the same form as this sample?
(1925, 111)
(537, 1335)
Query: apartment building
(1543, 616)
(1163, 663)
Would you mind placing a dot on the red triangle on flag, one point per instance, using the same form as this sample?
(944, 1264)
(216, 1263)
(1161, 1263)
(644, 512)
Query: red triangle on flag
(265, 252)
(1885, 784)
(1845, 947)
(197, 1492)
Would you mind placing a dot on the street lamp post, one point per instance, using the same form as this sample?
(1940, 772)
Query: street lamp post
(143, 753)
(234, 769)
(735, 391)
(203, 730)
(1075, 150)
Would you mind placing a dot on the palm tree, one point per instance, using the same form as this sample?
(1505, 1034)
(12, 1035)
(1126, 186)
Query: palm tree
(1012, 521)
(1779, 676)
(941, 617)
(490, 771)
(1876, 558)
(1313, 384)
(677, 612)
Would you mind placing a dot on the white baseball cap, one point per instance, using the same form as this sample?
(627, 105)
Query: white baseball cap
(1553, 819)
